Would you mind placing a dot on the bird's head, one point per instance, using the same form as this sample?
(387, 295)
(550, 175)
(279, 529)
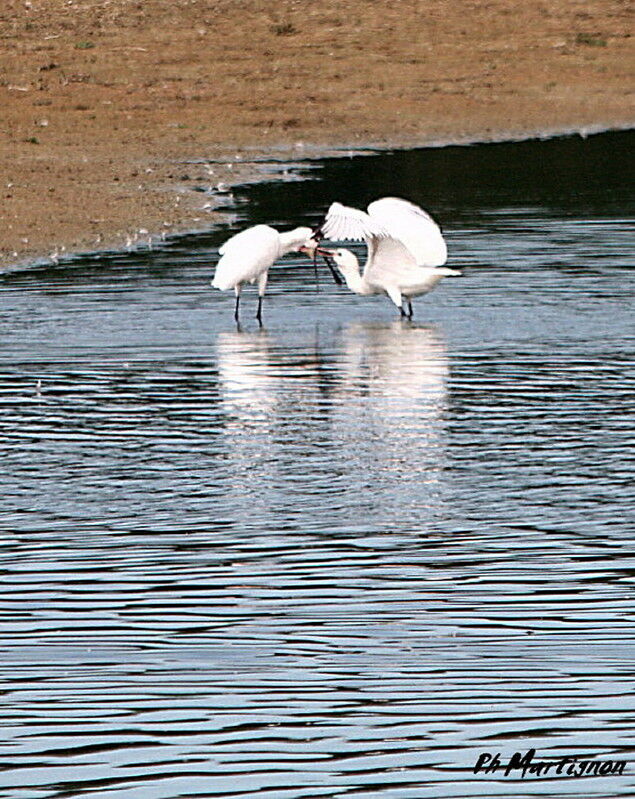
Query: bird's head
(308, 248)
(312, 242)
(345, 260)
(311, 248)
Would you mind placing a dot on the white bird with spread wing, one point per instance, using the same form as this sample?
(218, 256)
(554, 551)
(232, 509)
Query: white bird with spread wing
(248, 256)
(406, 250)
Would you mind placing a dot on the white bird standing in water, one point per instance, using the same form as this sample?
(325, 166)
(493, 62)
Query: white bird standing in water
(406, 250)
(248, 256)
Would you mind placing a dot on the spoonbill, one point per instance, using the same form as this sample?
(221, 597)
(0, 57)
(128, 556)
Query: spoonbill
(248, 256)
(406, 250)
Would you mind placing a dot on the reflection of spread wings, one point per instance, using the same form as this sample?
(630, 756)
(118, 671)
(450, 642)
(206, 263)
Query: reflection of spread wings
(395, 360)
(413, 227)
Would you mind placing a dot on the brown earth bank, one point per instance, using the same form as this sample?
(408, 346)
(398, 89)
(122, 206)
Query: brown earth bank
(105, 104)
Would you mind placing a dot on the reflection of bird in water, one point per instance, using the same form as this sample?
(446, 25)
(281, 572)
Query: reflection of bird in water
(396, 361)
(262, 377)
(392, 391)
(342, 425)
(248, 384)
(248, 392)
(273, 425)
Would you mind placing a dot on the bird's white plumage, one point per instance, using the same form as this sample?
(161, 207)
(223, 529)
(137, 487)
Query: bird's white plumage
(250, 236)
(349, 224)
(246, 255)
(411, 225)
(390, 260)
(389, 218)
(406, 249)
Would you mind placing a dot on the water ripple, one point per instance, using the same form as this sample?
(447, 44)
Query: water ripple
(340, 556)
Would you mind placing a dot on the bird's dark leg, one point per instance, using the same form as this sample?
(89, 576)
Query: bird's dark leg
(402, 313)
(262, 285)
(409, 314)
(236, 308)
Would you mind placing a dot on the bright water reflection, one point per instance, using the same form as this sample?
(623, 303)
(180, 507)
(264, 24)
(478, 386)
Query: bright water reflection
(344, 555)
(352, 430)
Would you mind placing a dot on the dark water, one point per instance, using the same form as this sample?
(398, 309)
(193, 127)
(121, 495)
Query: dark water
(345, 555)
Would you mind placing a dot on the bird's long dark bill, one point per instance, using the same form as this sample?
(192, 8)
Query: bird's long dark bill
(331, 265)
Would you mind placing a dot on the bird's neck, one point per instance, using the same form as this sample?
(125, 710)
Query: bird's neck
(355, 281)
(291, 240)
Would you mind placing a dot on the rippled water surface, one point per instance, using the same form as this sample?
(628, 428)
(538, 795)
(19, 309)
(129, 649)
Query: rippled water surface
(343, 555)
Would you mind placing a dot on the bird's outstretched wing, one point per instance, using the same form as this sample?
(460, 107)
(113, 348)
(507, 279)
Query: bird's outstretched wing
(414, 227)
(348, 224)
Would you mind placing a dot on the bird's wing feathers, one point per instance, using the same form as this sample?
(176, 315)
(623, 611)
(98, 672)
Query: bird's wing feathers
(413, 226)
(388, 207)
(348, 224)
(389, 262)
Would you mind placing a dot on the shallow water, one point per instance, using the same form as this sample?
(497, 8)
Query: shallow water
(344, 555)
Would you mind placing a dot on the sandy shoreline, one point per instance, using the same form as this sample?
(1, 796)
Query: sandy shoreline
(198, 210)
(115, 110)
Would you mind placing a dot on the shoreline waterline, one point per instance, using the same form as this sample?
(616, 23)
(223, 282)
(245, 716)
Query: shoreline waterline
(273, 165)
